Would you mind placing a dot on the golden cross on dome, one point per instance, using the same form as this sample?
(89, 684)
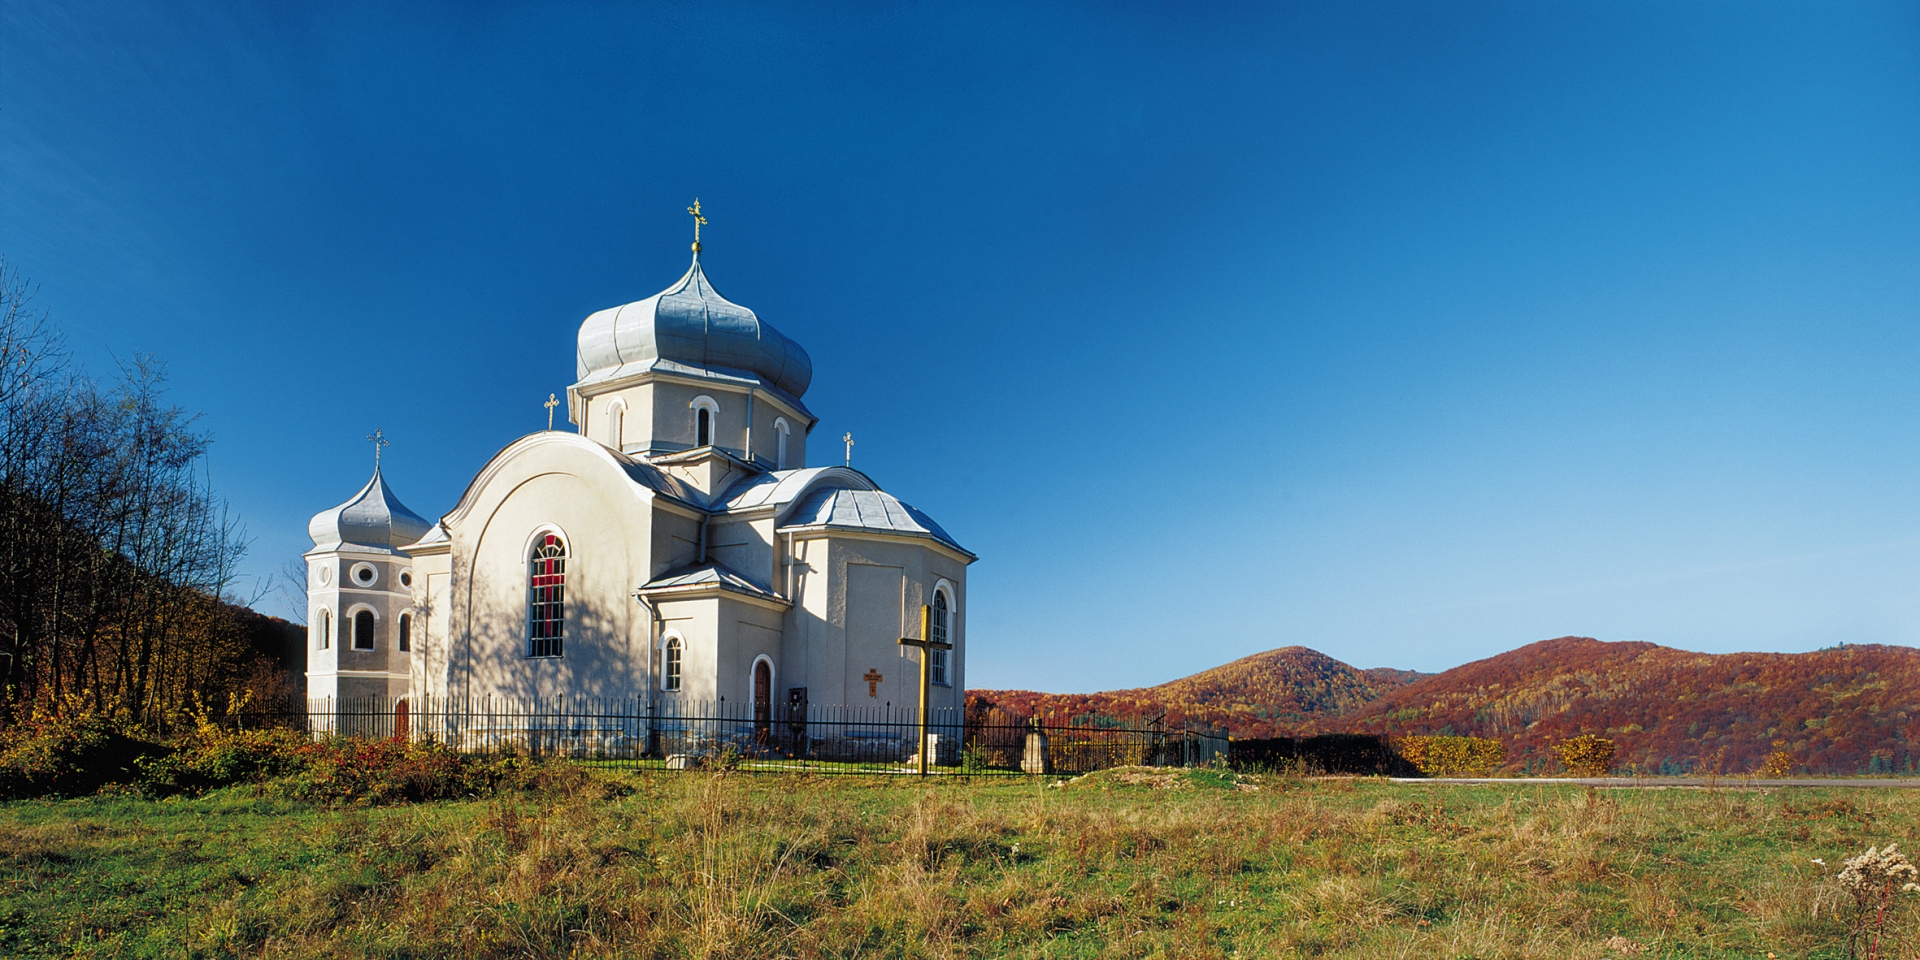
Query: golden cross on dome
(550, 404)
(698, 221)
(379, 439)
(849, 439)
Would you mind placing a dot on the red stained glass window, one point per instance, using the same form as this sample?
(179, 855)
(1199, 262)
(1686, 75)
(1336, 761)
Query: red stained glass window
(546, 597)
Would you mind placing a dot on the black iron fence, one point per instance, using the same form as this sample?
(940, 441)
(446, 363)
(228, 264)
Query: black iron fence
(680, 734)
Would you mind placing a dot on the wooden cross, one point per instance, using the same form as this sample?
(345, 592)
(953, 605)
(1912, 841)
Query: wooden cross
(698, 220)
(550, 404)
(927, 645)
(379, 439)
(873, 679)
(849, 439)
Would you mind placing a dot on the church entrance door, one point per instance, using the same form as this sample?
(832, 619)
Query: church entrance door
(762, 700)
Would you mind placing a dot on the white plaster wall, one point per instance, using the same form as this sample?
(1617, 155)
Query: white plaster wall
(819, 652)
(606, 521)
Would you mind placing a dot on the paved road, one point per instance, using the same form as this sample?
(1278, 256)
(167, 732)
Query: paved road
(1881, 782)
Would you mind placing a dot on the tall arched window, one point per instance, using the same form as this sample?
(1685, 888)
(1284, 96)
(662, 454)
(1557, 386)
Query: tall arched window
(406, 632)
(706, 419)
(780, 431)
(942, 617)
(670, 677)
(616, 424)
(546, 596)
(363, 630)
(324, 633)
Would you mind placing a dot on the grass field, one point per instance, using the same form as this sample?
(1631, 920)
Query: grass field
(1119, 864)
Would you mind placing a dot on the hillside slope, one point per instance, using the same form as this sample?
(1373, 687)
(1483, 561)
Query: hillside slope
(1847, 710)
(1284, 691)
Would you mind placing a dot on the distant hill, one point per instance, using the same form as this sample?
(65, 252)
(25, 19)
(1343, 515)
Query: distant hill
(1853, 709)
(1284, 691)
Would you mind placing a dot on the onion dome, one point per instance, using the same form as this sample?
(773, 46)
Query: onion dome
(690, 325)
(374, 519)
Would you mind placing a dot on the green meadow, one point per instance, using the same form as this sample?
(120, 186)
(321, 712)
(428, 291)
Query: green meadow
(1117, 864)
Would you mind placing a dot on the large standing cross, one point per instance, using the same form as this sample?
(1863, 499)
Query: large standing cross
(379, 439)
(927, 645)
(873, 679)
(849, 439)
(698, 221)
(550, 404)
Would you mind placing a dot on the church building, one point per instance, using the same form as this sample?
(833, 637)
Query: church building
(676, 547)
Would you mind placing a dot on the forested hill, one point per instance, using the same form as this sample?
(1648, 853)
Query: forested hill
(1851, 709)
(1284, 691)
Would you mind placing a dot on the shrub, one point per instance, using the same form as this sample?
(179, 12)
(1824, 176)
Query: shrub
(70, 756)
(387, 771)
(1453, 756)
(213, 758)
(1586, 755)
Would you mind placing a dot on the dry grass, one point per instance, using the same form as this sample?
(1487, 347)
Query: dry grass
(1123, 864)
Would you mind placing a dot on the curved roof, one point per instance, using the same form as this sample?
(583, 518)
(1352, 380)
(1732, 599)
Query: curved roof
(874, 511)
(783, 486)
(374, 518)
(690, 323)
(638, 472)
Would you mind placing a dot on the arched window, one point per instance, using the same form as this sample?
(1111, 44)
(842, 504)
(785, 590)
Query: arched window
(616, 424)
(942, 618)
(323, 632)
(546, 596)
(780, 431)
(670, 677)
(706, 418)
(363, 630)
(406, 632)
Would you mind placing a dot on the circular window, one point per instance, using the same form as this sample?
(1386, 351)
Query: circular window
(326, 575)
(363, 574)
(406, 579)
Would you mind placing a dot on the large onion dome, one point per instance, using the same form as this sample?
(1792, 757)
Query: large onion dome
(374, 519)
(690, 325)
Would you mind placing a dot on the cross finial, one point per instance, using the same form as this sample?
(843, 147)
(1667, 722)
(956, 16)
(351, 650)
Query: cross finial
(379, 439)
(849, 439)
(550, 404)
(698, 222)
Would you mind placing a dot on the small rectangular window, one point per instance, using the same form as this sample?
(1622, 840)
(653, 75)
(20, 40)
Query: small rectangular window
(406, 634)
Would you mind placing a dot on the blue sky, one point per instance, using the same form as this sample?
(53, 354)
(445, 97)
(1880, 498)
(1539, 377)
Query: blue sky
(1408, 332)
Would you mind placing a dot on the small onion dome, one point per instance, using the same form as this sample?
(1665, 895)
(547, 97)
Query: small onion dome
(690, 324)
(374, 519)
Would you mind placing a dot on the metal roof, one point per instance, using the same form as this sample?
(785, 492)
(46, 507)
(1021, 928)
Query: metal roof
(709, 574)
(877, 511)
(781, 486)
(374, 518)
(690, 323)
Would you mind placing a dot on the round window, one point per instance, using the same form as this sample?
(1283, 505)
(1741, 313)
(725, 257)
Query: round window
(406, 579)
(362, 573)
(326, 575)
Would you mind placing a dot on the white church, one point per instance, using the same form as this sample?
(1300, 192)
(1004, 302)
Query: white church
(675, 547)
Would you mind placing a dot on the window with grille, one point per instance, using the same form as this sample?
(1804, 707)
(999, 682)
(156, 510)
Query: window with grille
(670, 678)
(546, 597)
(406, 632)
(937, 662)
(363, 630)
